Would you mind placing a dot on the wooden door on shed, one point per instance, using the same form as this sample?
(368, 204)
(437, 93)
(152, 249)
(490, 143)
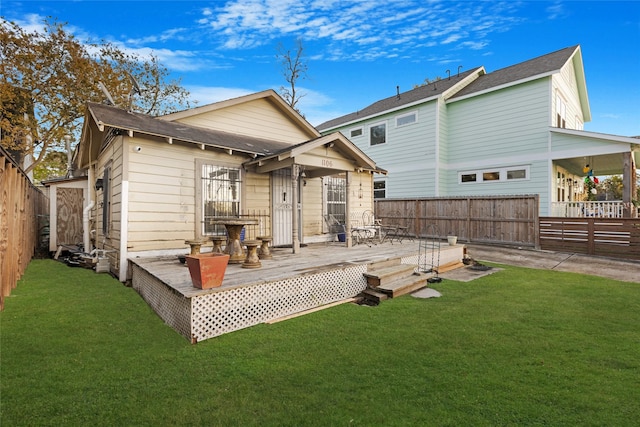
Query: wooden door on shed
(69, 203)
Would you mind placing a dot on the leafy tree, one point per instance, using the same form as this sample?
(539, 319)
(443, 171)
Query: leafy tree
(54, 164)
(294, 68)
(47, 78)
(612, 187)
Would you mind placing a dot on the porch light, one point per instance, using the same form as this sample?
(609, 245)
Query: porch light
(99, 184)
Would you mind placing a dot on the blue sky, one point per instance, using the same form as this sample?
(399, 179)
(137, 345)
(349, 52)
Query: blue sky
(359, 51)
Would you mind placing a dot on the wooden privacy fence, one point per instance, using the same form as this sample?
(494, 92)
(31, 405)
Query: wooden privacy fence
(609, 237)
(511, 220)
(21, 204)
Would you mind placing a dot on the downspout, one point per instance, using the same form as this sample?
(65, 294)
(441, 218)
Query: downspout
(86, 210)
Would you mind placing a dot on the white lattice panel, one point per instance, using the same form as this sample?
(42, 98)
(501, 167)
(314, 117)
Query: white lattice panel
(221, 312)
(172, 307)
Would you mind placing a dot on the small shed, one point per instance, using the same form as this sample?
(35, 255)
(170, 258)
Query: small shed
(67, 203)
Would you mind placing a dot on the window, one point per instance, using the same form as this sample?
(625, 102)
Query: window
(379, 189)
(378, 134)
(406, 119)
(106, 199)
(491, 175)
(336, 197)
(355, 132)
(468, 177)
(517, 174)
(561, 112)
(221, 191)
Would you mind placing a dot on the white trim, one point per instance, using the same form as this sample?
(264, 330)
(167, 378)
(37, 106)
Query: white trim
(360, 128)
(503, 86)
(372, 125)
(597, 135)
(124, 231)
(413, 113)
(502, 173)
(382, 113)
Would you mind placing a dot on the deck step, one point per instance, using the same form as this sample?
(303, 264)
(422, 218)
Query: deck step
(404, 286)
(389, 274)
(373, 296)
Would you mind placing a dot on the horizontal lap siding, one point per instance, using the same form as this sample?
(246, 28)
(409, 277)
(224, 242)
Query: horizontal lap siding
(312, 208)
(409, 155)
(259, 119)
(162, 193)
(512, 122)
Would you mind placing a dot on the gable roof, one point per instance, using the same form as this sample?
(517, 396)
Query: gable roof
(269, 95)
(528, 70)
(405, 99)
(298, 153)
(109, 116)
(460, 87)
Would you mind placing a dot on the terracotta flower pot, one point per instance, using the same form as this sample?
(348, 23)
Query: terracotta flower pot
(207, 270)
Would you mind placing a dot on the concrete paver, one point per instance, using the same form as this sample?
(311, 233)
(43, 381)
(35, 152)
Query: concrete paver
(625, 270)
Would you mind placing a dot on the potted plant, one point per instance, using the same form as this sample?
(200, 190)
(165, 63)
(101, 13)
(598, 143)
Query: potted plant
(452, 239)
(207, 270)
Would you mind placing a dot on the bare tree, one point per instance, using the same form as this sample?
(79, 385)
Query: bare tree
(47, 78)
(294, 68)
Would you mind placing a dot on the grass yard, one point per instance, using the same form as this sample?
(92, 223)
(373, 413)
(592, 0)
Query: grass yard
(518, 347)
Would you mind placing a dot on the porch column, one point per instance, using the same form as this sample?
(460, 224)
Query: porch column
(347, 215)
(628, 185)
(295, 171)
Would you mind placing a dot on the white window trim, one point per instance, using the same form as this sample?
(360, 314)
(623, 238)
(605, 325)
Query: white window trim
(372, 125)
(400, 116)
(361, 129)
(386, 188)
(503, 175)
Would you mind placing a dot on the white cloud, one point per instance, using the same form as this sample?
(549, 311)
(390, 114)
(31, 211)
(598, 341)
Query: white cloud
(209, 94)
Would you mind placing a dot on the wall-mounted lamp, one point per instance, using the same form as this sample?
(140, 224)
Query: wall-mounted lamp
(99, 184)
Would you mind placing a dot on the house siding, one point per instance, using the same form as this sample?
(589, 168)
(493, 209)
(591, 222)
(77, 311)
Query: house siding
(409, 152)
(111, 156)
(258, 118)
(566, 85)
(512, 122)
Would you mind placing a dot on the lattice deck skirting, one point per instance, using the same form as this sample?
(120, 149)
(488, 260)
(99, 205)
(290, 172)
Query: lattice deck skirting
(209, 315)
(221, 312)
(249, 297)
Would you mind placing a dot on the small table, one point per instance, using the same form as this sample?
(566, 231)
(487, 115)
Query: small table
(234, 228)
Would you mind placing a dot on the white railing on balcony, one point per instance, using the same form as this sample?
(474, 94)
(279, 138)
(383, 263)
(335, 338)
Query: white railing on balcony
(608, 209)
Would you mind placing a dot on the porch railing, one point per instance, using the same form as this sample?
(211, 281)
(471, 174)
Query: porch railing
(585, 209)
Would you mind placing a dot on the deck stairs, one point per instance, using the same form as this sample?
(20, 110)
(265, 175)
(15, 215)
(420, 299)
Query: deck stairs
(391, 279)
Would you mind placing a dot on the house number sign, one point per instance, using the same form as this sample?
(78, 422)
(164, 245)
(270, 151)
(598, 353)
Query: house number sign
(327, 163)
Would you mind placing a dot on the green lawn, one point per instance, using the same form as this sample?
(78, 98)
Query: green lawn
(518, 347)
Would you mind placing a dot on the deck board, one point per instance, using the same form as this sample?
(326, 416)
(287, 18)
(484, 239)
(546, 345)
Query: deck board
(284, 264)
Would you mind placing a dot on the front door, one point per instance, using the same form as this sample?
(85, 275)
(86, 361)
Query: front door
(282, 190)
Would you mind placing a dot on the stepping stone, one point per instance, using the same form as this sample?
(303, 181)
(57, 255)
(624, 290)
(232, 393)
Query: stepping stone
(427, 293)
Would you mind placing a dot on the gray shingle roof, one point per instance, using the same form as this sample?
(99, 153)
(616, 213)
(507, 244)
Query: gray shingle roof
(137, 122)
(527, 69)
(537, 66)
(409, 97)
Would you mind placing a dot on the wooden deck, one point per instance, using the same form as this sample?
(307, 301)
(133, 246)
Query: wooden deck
(288, 283)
